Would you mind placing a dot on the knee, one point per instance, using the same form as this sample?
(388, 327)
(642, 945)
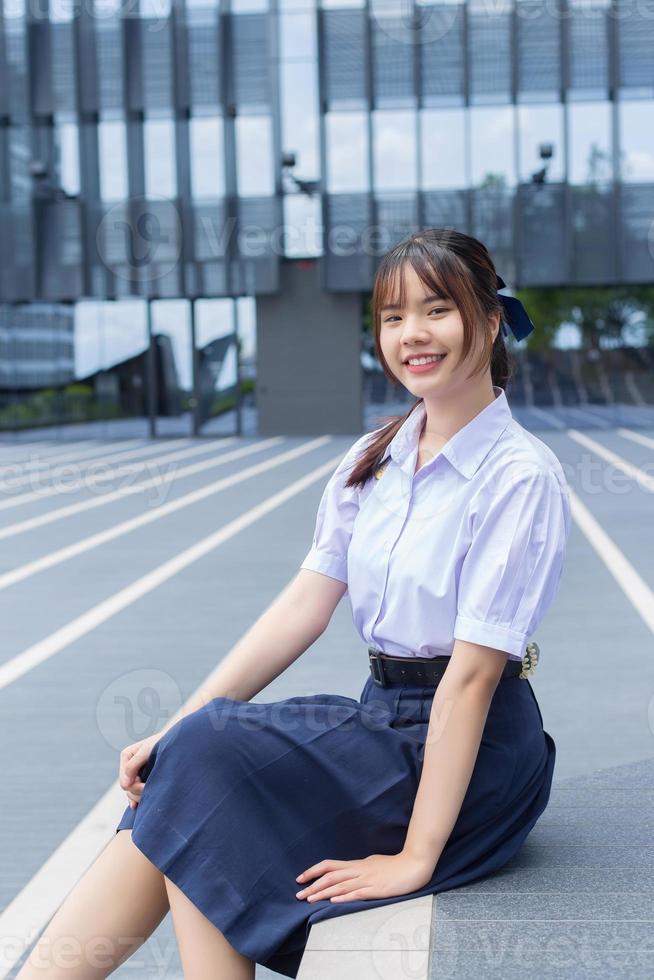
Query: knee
(202, 728)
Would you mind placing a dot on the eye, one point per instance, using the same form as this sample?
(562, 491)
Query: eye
(434, 309)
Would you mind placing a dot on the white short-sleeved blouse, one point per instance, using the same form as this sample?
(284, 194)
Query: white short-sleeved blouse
(471, 547)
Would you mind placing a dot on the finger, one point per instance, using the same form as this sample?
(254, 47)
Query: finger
(326, 886)
(320, 869)
(329, 878)
(128, 778)
(132, 767)
(354, 896)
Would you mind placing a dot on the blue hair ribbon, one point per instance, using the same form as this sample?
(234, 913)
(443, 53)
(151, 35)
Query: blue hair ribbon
(515, 315)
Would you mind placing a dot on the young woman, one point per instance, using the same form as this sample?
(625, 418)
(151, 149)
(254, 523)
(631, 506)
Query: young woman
(448, 528)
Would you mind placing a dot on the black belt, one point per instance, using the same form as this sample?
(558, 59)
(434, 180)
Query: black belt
(387, 670)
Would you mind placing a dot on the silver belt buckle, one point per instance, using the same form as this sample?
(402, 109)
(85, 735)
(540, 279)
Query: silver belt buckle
(377, 669)
(529, 661)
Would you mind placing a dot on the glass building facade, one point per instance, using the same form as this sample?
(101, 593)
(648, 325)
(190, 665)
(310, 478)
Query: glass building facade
(157, 152)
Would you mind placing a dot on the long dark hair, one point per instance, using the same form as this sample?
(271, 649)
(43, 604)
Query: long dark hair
(456, 265)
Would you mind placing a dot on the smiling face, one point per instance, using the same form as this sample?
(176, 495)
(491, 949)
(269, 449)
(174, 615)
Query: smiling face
(426, 323)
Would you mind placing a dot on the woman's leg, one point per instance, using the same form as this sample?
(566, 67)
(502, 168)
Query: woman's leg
(111, 911)
(203, 949)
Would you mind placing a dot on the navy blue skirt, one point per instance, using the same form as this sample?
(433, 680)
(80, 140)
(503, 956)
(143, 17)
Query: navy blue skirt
(242, 796)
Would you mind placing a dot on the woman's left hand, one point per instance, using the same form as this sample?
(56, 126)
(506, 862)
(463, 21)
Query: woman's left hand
(377, 876)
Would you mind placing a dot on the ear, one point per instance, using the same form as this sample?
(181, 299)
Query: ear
(495, 321)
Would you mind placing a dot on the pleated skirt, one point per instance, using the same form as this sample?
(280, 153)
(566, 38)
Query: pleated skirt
(240, 797)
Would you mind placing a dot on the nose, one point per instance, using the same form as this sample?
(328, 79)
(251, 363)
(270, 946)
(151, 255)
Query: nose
(415, 331)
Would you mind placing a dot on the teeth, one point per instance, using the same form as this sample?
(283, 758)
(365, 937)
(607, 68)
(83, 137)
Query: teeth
(425, 360)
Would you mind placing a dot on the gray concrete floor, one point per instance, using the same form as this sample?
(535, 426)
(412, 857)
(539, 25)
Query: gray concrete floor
(595, 686)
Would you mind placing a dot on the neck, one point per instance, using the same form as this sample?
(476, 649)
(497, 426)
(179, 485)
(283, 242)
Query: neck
(445, 416)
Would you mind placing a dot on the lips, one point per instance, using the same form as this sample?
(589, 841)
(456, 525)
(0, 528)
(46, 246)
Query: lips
(439, 354)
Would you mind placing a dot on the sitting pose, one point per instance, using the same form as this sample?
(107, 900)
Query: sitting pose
(448, 527)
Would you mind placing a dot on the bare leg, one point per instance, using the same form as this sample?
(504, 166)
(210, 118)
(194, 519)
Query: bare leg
(203, 949)
(111, 911)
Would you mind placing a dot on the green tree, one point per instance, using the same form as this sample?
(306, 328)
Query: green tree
(598, 311)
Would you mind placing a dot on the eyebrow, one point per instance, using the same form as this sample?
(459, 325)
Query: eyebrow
(428, 299)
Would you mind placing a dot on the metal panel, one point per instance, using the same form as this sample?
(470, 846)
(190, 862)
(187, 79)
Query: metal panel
(442, 56)
(17, 68)
(392, 61)
(250, 60)
(64, 70)
(157, 268)
(492, 222)
(637, 211)
(87, 62)
(256, 268)
(4, 165)
(59, 250)
(156, 52)
(347, 260)
(593, 256)
(40, 67)
(110, 62)
(132, 63)
(4, 73)
(636, 50)
(539, 50)
(588, 66)
(17, 273)
(444, 209)
(542, 234)
(489, 48)
(344, 34)
(213, 279)
(180, 74)
(397, 214)
(203, 34)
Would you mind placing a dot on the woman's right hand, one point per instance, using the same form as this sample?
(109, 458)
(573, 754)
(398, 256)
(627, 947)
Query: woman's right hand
(132, 759)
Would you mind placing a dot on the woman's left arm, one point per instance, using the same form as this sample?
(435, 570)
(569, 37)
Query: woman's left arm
(456, 724)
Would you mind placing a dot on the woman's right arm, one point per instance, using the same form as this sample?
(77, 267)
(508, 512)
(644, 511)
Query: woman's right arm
(288, 627)
(297, 617)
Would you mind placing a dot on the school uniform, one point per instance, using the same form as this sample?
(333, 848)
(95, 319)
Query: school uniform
(241, 797)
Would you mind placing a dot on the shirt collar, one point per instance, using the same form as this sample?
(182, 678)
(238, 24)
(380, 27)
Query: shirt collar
(467, 448)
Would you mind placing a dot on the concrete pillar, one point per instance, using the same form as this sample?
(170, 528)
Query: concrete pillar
(309, 375)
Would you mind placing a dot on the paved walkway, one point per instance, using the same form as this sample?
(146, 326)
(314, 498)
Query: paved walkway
(73, 665)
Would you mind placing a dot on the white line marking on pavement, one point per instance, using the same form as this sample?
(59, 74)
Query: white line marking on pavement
(23, 920)
(640, 476)
(51, 451)
(98, 454)
(548, 417)
(636, 437)
(20, 664)
(25, 917)
(94, 479)
(106, 498)
(69, 551)
(634, 587)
